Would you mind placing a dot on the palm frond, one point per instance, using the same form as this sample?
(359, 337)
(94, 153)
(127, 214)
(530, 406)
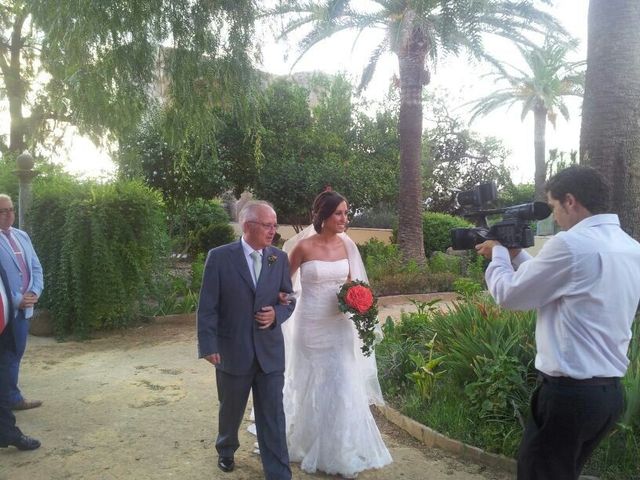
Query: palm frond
(489, 103)
(564, 111)
(527, 106)
(369, 70)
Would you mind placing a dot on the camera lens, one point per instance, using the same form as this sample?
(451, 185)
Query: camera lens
(464, 238)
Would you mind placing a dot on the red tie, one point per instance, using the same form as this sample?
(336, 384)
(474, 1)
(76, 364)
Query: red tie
(3, 323)
(20, 258)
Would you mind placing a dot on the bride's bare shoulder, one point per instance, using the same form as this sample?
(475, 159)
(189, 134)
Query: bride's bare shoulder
(302, 248)
(307, 243)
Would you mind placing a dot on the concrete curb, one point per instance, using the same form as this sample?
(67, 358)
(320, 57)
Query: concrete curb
(431, 438)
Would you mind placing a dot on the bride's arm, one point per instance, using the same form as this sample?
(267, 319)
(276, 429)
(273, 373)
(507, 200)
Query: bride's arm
(296, 257)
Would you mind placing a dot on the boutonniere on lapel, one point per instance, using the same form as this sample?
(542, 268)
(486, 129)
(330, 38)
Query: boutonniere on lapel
(271, 259)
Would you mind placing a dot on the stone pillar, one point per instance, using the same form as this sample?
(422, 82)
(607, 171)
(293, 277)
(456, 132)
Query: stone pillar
(25, 173)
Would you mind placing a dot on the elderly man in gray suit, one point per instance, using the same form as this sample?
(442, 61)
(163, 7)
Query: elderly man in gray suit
(239, 331)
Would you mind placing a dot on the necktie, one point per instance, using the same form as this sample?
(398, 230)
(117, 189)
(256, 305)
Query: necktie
(20, 258)
(3, 322)
(257, 263)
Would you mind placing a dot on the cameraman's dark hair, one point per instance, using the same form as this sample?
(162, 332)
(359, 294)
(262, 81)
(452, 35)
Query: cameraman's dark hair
(584, 183)
(323, 207)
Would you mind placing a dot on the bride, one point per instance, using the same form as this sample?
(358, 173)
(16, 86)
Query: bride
(329, 383)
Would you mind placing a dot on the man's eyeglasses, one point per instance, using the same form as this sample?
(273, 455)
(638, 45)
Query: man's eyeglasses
(4, 211)
(266, 226)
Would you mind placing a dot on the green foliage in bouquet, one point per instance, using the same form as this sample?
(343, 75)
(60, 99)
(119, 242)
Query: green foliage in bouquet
(357, 299)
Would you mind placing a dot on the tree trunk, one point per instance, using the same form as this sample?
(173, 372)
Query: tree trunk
(610, 133)
(410, 238)
(15, 88)
(539, 149)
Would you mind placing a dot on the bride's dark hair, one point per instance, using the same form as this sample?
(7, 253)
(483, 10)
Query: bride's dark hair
(323, 207)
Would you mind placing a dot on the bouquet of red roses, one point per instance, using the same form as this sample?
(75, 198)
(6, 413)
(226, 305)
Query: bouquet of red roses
(357, 298)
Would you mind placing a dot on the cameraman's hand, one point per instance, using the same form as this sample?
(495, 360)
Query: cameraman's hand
(486, 248)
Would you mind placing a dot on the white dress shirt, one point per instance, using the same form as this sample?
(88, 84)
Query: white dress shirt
(248, 250)
(5, 302)
(585, 285)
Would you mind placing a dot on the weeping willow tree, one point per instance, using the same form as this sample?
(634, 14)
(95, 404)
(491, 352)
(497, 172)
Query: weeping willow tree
(91, 65)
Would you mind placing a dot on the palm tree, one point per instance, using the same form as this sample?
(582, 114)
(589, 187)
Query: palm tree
(610, 132)
(417, 32)
(540, 90)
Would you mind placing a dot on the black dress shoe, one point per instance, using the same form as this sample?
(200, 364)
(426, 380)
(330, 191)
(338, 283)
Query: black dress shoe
(26, 404)
(23, 443)
(226, 464)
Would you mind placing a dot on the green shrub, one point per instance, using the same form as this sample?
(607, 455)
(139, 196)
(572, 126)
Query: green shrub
(211, 236)
(616, 458)
(393, 356)
(447, 412)
(376, 250)
(631, 416)
(8, 179)
(101, 245)
(477, 328)
(51, 202)
(188, 220)
(197, 270)
(499, 397)
(441, 262)
(404, 282)
(427, 371)
(415, 326)
(466, 287)
(380, 259)
(436, 228)
(170, 293)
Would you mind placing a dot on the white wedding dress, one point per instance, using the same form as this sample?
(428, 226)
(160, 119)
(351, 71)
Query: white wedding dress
(327, 388)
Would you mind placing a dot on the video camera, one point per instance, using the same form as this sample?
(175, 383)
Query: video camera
(513, 231)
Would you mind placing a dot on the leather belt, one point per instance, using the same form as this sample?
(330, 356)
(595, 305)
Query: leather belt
(593, 381)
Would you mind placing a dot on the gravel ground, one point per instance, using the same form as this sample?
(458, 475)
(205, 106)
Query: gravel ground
(139, 405)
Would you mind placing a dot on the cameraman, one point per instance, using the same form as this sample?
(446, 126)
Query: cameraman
(585, 285)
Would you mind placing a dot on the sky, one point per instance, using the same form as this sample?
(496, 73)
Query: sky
(463, 80)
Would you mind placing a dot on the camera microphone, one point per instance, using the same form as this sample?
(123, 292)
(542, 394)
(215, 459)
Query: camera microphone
(527, 211)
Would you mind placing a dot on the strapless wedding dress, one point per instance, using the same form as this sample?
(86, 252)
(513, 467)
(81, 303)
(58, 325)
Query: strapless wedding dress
(329, 424)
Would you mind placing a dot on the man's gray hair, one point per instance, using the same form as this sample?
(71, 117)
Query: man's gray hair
(250, 210)
(4, 196)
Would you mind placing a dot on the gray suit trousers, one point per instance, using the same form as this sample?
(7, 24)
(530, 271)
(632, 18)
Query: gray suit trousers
(233, 393)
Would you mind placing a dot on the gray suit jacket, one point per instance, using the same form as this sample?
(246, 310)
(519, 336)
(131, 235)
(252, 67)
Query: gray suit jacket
(228, 302)
(11, 267)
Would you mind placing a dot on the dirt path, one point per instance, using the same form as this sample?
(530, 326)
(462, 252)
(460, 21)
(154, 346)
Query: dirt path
(141, 406)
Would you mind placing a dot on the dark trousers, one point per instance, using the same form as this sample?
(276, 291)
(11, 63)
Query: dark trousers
(568, 420)
(21, 333)
(8, 430)
(233, 393)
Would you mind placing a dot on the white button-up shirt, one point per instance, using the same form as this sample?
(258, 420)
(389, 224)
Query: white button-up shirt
(585, 285)
(5, 302)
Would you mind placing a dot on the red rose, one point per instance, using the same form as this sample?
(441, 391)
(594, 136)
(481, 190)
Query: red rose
(359, 298)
